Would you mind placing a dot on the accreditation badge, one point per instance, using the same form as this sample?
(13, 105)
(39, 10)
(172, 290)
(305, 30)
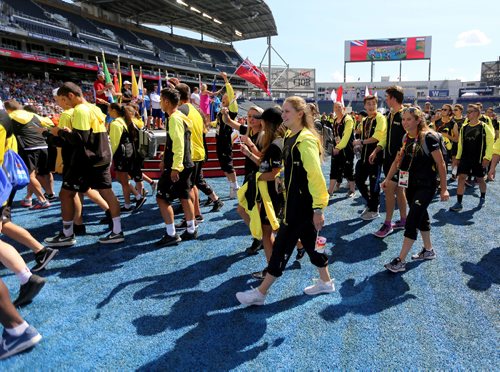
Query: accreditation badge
(404, 177)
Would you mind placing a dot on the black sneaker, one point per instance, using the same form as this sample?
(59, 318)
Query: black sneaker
(218, 204)
(43, 257)
(29, 290)
(300, 253)
(126, 210)
(189, 236)
(208, 202)
(50, 197)
(199, 219)
(139, 203)
(60, 240)
(254, 248)
(183, 224)
(79, 230)
(167, 240)
(112, 238)
(260, 275)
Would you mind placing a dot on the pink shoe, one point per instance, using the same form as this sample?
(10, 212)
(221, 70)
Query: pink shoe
(398, 225)
(40, 205)
(26, 203)
(383, 231)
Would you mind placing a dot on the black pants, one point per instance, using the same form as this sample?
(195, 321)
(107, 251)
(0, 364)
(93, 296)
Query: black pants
(342, 166)
(224, 148)
(285, 243)
(198, 179)
(372, 195)
(419, 197)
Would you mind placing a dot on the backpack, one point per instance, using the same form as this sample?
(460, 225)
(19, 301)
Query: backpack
(15, 170)
(442, 144)
(147, 144)
(5, 187)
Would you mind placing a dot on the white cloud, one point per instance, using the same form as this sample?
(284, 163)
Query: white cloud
(472, 38)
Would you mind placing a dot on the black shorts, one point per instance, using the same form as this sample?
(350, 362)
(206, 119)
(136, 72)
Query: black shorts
(196, 173)
(158, 113)
(50, 166)
(386, 166)
(122, 164)
(35, 160)
(97, 178)
(471, 169)
(169, 191)
(136, 170)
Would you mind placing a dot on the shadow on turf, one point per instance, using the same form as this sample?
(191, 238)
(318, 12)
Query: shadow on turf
(485, 273)
(223, 337)
(373, 295)
(351, 251)
(463, 218)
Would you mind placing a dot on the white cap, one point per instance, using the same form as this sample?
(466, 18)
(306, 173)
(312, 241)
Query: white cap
(127, 82)
(54, 92)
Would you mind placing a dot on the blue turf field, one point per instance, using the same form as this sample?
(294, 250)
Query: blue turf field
(132, 306)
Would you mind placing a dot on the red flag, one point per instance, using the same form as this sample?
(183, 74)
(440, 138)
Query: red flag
(340, 95)
(254, 75)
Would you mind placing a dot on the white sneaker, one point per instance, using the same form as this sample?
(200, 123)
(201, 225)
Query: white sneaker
(320, 287)
(233, 192)
(251, 297)
(368, 216)
(365, 211)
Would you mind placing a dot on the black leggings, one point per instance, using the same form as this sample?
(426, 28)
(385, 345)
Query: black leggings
(342, 166)
(419, 197)
(285, 242)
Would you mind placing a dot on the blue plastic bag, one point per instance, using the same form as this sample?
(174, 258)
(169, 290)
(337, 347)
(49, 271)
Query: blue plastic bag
(15, 170)
(5, 187)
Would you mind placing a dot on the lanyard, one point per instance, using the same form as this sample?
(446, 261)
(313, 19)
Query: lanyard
(414, 149)
(365, 132)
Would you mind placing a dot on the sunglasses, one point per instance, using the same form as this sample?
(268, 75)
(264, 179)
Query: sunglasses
(411, 110)
(471, 111)
(456, 109)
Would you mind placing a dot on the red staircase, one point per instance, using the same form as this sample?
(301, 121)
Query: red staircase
(211, 168)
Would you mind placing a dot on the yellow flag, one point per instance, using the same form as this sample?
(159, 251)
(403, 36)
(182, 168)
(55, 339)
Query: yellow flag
(135, 87)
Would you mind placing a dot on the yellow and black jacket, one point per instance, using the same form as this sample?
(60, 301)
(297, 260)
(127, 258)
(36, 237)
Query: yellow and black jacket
(7, 139)
(177, 154)
(477, 150)
(305, 186)
(25, 126)
(394, 134)
(375, 127)
(197, 144)
(89, 137)
(122, 146)
(345, 131)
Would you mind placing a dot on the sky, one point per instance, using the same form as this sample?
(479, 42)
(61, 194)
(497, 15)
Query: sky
(311, 34)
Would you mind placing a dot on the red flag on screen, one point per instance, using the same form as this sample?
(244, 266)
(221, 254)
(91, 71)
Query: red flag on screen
(254, 75)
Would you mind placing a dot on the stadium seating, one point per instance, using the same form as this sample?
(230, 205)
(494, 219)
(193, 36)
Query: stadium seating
(63, 25)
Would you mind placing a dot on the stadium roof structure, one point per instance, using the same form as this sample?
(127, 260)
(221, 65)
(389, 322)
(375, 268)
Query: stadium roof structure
(225, 20)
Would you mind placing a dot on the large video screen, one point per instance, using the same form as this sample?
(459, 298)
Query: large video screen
(394, 49)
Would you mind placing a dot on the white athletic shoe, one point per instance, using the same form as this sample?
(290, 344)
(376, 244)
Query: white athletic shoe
(251, 297)
(320, 287)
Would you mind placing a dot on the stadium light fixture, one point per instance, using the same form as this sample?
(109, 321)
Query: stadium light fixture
(238, 33)
(207, 16)
(195, 10)
(182, 3)
(217, 21)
